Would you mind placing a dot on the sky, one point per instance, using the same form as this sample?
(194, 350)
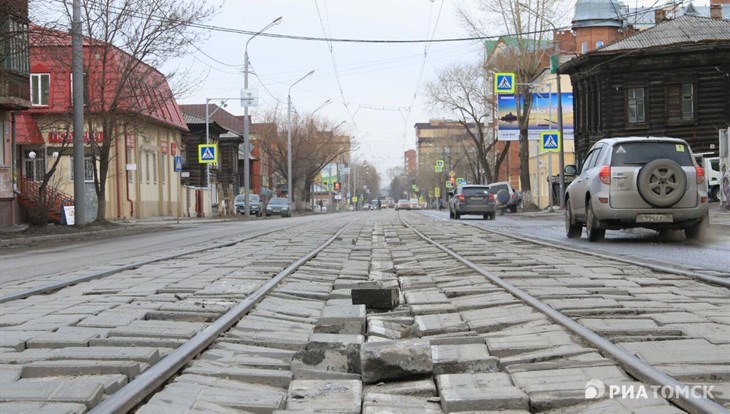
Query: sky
(378, 90)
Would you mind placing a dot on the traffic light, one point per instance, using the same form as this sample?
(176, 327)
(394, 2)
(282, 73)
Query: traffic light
(337, 186)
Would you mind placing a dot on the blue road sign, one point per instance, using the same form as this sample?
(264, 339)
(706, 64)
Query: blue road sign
(550, 141)
(504, 82)
(207, 153)
(178, 163)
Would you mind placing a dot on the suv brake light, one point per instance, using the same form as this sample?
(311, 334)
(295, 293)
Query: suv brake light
(605, 174)
(700, 174)
(491, 197)
(461, 197)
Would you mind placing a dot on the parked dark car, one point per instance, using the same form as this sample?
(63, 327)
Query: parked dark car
(472, 199)
(507, 197)
(278, 206)
(255, 201)
(650, 182)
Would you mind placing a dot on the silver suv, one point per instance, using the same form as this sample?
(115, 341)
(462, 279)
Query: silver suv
(646, 182)
(472, 199)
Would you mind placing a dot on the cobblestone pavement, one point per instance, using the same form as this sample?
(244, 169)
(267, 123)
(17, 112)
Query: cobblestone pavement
(380, 322)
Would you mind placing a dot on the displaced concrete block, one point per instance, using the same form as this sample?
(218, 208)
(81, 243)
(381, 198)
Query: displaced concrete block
(344, 396)
(395, 360)
(343, 319)
(466, 358)
(480, 392)
(375, 296)
(329, 353)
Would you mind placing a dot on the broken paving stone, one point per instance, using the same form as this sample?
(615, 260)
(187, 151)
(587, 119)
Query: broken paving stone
(395, 360)
(439, 324)
(480, 392)
(390, 330)
(329, 353)
(342, 396)
(344, 319)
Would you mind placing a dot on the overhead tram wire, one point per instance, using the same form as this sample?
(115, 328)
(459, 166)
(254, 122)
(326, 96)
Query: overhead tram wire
(344, 40)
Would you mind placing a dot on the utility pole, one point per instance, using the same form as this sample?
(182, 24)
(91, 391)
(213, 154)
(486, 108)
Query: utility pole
(77, 69)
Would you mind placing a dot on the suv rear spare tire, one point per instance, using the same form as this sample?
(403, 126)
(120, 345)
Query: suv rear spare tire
(662, 182)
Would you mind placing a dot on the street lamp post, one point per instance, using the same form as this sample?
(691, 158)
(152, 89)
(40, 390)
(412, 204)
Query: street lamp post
(247, 123)
(288, 139)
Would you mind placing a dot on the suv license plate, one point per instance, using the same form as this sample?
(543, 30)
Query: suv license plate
(476, 198)
(654, 218)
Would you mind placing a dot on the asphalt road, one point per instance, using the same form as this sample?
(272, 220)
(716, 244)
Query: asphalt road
(712, 254)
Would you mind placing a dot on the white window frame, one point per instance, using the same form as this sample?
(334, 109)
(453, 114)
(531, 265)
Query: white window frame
(88, 169)
(147, 167)
(36, 93)
(584, 47)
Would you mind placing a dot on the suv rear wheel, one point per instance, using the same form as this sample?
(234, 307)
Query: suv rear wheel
(573, 230)
(662, 182)
(595, 233)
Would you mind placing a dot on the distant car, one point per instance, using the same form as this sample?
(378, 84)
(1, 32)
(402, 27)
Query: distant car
(391, 204)
(472, 199)
(414, 204)
(506, 196)
(403, 204)
(366, 206)
(650, 182)
(278, 206)
(255, 201)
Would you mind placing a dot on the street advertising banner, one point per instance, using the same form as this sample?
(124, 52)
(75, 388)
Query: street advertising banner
(543, 104)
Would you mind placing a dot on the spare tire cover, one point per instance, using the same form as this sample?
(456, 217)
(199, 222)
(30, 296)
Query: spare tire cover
(662, 182)
(503, 196)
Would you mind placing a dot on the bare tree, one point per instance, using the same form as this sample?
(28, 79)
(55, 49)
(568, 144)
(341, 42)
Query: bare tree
(126, 41)
(460, 89)
(315, 144)
(528, 27)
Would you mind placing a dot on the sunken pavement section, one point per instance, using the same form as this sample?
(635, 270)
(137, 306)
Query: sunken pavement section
(379, 322)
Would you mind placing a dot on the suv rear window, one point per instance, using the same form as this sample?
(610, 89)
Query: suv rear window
(494, 189)
(471, 191)
(640, 153)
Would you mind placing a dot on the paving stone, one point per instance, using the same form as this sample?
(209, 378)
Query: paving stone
(374, 403)
(66, 336)
(113, 318)
(419, 388)
(10, 373)
(619, 406)
(168, 343)
(715, 333)
(433, 309)
(42, 408)
(347, 319)
(40, 369)
(376, 297)
(146, 355)
(686, 351)
(495, 319)
(110, 383)
(17, 339)
(561, 351)
(440, 323)
(52, 391)
(274, 378)
(578, 304)
(463, 358)
(698, 372)
(344, 396)
(589, 359)
(390, 330)
(183, 396)
(329, 353)
(479, 392)
(483, 301)
(395, 360)
(515, 344)
(425, 297)
(283, 340)
(157, 329)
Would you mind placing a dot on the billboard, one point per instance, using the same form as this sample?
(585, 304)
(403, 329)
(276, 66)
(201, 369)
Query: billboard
(543, 104)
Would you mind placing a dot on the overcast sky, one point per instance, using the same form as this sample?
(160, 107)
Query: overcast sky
(371, 86)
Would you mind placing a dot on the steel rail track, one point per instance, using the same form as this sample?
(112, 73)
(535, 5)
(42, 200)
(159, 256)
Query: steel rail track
(98, 275)
(630, 363)
(149, 381)
(714, 280)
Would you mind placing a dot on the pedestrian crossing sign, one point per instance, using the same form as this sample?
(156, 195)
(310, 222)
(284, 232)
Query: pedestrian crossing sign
(550, 141)
(207, 153)
(504, 82)
(178, 163)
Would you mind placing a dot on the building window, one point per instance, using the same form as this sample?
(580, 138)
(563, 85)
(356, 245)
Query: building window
(35, 166)
(154, 169)
(162, 167)
(14, 46)
(636, 109)
(130, 160)
(147, 167)
(40, 88)
(681, 102)
(88, 169)
(584, 47)
(599, 44)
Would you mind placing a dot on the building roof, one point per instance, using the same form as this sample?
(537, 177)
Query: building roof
(598, 13)
(685, 29)
(704, 11)
(218, 114)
